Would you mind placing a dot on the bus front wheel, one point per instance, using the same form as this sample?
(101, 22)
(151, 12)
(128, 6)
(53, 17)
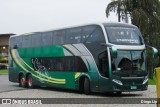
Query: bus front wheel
(86, 86)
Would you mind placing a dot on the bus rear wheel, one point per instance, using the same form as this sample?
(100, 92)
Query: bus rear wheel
(29, 81)
(87, 86)
(22, 81)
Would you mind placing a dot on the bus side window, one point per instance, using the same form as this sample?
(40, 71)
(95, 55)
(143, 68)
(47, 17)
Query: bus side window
(87, 31)
(36, 40)
(47, 38)
(59, 65)
(103, 64)
(73, 35)
(70, 63)
(59, 37)
(80, 65)
(26, 41)
(97, 36)
(92, 34)
(17, 42)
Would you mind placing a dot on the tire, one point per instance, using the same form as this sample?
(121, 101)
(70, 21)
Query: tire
(81, 89)
(29, 81)
(22, 81)
(87, 86)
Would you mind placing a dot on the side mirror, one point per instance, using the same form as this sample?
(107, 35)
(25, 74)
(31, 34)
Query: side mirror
(155, 52)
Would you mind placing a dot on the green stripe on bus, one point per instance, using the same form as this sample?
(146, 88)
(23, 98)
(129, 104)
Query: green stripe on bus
(18, 63)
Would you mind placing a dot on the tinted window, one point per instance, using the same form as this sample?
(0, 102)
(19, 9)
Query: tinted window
(59, 37)
(47, 38)
(80, 65)
(103, 64)
(17, 42)
(92, 34)
(58, 64)
(68, 63)
(73, 35)
(124, 36)
(87, 30)
(129, 62)
(26, 41)
(36, 40)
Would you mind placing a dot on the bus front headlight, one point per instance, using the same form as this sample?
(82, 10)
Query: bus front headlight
(117, 81)
(145, 80)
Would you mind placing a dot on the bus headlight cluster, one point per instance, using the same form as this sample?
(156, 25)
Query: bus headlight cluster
(117, 81)
(145, 80)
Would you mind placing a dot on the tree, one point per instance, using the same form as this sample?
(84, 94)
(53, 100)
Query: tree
(114, 6)
(145, 14)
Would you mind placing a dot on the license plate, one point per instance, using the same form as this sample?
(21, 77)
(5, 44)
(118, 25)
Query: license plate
(133, 87)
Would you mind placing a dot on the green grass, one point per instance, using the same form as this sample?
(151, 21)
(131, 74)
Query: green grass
(3, 71)
(152, 81)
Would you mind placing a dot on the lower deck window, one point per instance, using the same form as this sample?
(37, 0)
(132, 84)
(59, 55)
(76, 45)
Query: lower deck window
(67, 63)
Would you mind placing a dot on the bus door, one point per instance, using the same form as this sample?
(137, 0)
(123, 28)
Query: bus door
(92, 73)
(103, 66)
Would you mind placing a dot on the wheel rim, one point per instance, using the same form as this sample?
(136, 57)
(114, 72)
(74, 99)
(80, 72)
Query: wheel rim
(30, 82)
(22, 81)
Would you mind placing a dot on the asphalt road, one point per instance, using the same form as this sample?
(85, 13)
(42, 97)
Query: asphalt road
(12, 90)
(6, 85)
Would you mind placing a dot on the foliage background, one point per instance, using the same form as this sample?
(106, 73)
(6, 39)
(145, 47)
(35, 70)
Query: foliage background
(145, 14)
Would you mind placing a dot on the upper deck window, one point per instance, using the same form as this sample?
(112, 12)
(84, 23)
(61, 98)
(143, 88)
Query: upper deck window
(58, 37)
(73, 35)
(124, 36)
(92, 34)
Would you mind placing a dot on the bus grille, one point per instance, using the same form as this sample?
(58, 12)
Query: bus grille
(132, 81)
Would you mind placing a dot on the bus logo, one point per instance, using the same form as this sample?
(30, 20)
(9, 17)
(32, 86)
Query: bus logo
(6, 101)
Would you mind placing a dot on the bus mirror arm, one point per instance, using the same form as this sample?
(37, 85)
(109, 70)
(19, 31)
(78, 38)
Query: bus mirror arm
(114, 49)
(108, 44)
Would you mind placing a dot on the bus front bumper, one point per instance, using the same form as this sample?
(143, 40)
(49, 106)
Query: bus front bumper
(127, 87)
(130, 88)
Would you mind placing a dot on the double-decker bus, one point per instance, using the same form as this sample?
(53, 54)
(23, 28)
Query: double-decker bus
(100, 57)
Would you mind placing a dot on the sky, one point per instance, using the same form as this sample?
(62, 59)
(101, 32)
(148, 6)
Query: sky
(24, 16)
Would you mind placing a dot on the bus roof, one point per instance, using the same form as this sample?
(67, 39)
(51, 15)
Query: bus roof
(101, 24)
(119, 24)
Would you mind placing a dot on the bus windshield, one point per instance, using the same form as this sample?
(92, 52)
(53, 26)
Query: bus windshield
(124, 36)
(129, 63)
